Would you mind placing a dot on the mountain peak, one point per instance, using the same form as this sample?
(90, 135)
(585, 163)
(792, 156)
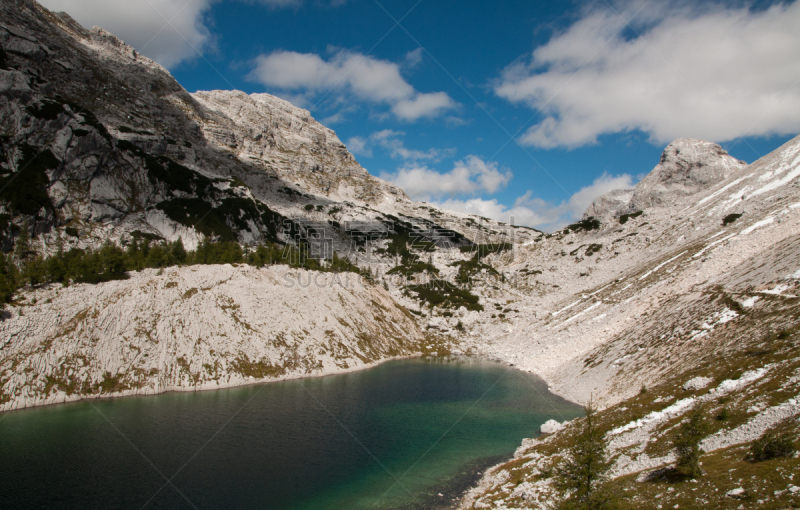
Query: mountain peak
(687, 166)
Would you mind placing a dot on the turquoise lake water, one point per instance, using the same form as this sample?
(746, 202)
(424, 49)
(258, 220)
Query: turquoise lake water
(394, 436)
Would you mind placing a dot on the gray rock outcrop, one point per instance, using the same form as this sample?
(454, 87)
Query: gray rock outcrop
(550, 427)
(687, 167)
(194, 328)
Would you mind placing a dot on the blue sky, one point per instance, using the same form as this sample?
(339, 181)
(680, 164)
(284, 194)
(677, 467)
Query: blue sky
(513, 108)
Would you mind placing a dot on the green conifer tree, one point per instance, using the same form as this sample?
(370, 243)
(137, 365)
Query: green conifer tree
(178, 251)
(22, 246)
(687, 442)
(582, 476)
(8, 280)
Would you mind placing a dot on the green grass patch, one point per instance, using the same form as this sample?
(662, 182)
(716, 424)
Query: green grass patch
(727, 220)
(447, 295)
(623, 219)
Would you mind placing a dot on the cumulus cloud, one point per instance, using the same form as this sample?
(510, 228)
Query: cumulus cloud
(711, 72)
(538, 213)
(359, 146)
(517, 215)
(167, 31)
(468, 177)
(345, 72)
(392, 142)
(144, 26)
(413, 58)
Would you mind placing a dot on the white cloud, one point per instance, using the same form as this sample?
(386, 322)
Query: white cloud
(358, 145)
(144, 25)
(413, 58)
(709, 72)
(535, 212)
(583, 198)
(346, 72)
(423, 105)
(392, 142)
(470, 176)
(518, 215)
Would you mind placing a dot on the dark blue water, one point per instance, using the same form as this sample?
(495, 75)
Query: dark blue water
(395, 436)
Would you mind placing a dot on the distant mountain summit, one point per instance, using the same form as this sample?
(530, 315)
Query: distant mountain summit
(104, 141)
(284, 140)
(687, 167)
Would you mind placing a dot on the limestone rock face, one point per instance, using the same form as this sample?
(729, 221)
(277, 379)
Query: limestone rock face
(550, 427)
(608, 204)
(197, 327)
(130, 145)
(687, 167)
(273, 134)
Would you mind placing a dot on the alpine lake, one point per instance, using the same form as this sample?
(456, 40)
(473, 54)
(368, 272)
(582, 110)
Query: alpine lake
(408, 434)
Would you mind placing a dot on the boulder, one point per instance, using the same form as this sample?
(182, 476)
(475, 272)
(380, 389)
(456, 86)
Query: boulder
(550, 427)
(698, 383)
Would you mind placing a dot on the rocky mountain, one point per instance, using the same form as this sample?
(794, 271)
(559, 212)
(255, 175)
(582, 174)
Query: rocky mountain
(691, 302)
(102, 140)
(687, 167)
(193, 328)
(287, 142)
(683, 290)
(101, 145)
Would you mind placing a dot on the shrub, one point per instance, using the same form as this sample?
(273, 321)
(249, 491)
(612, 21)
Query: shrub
(623, 219)
(774, 443)
(727, 220)
(590, 223)
(446, 294)
(8, 280)
(483, 250)
(411, 269)
(687, 442)
(593, 248)
(469, 268)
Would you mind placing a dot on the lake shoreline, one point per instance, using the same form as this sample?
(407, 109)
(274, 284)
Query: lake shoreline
(363, 433)
(63, 398)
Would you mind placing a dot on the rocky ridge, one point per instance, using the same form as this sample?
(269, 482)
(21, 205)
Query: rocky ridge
(118, 146)
(687, 167)
(194, 328)
(271, 133)
(704, 289)
(690, 275)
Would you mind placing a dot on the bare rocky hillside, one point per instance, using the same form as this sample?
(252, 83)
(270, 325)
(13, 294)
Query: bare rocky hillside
(683, 290)
(198, 327)
(107, 143)
(694, 301)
